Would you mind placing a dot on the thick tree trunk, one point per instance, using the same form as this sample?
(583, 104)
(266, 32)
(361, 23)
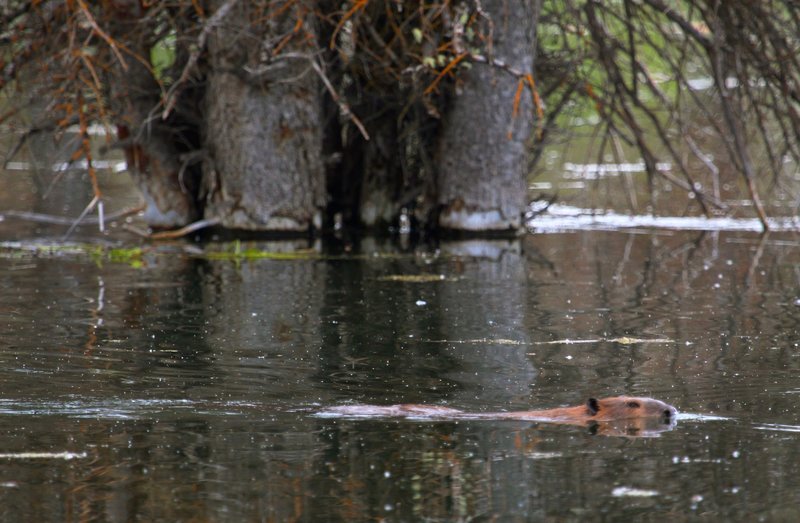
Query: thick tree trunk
(484, 150)
(262, 124)
(263, 132)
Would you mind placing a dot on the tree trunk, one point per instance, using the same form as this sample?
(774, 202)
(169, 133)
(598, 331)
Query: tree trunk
(261, 124)
(263, 133)
(484, 149)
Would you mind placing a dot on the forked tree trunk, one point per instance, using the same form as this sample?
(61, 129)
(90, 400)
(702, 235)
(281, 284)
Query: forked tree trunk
(484, 150)
(262, 125)
(263, 133)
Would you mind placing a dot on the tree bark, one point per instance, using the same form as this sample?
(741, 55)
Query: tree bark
(484, 149)
(263, 133)
(261, 126)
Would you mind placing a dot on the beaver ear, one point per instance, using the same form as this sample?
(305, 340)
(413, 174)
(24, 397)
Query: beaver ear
(592, 405)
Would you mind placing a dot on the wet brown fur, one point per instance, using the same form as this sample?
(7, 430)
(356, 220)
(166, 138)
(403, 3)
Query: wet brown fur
(618, 415)
(605, 409)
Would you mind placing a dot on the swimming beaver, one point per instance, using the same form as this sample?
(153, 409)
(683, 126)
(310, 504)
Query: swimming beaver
(605, 409)
(618, 415)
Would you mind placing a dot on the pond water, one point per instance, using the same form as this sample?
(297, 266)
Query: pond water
(176, 385)
(200, 381)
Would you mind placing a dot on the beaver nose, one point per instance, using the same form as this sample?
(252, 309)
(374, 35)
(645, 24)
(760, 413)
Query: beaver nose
(668, 413)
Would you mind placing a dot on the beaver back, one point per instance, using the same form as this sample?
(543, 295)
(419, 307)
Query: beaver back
(615, 408)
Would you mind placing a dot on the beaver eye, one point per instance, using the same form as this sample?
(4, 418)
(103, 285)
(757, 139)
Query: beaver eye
(634, 404)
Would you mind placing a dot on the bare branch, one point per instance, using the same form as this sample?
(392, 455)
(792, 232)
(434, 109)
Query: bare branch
(200, 45)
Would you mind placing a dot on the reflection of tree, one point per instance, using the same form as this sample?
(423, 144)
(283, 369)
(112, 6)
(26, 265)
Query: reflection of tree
(263, 317)
(404, 471)
(323, 331)
(724, 306)
(399, 352)
(168, 323)
(380, 354)
(490, 301)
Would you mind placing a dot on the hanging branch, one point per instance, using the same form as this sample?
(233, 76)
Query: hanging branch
(739, 147)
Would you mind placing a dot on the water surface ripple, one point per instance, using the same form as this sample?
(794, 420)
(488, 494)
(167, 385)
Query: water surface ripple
(188, 388)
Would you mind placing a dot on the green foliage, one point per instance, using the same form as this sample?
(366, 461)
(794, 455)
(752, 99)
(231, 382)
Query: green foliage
(100, 254)
(238, 254)
(128, 256)
(162, 55)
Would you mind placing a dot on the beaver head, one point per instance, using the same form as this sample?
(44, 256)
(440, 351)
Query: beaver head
(628, 407)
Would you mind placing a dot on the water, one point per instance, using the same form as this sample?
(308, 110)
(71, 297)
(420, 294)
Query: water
(174, 385)
(186, 388)
(567, 218)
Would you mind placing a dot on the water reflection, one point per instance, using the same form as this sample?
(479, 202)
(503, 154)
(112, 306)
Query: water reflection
(186, 388)
(567, 218)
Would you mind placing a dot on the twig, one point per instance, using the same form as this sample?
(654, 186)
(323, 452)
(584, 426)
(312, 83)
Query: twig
(63, 220)
(86, 211)
(343, 107)
(686, 26)
(454, 62)
(357, 6)
(176, 233)
(336, 98)
(708, 161)
(739, 145)
(110, 41)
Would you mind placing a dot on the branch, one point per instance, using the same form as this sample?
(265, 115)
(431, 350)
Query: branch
(177, 233)
(336, 98)
(65, 220)
(740, 146)
(343, 106)
(172, 96)
(110, 41)
(683, 23)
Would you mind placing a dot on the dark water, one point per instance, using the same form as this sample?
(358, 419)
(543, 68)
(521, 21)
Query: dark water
(187, 389)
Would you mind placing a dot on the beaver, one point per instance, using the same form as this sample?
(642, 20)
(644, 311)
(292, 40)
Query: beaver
(606, 409)
(618, 415)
